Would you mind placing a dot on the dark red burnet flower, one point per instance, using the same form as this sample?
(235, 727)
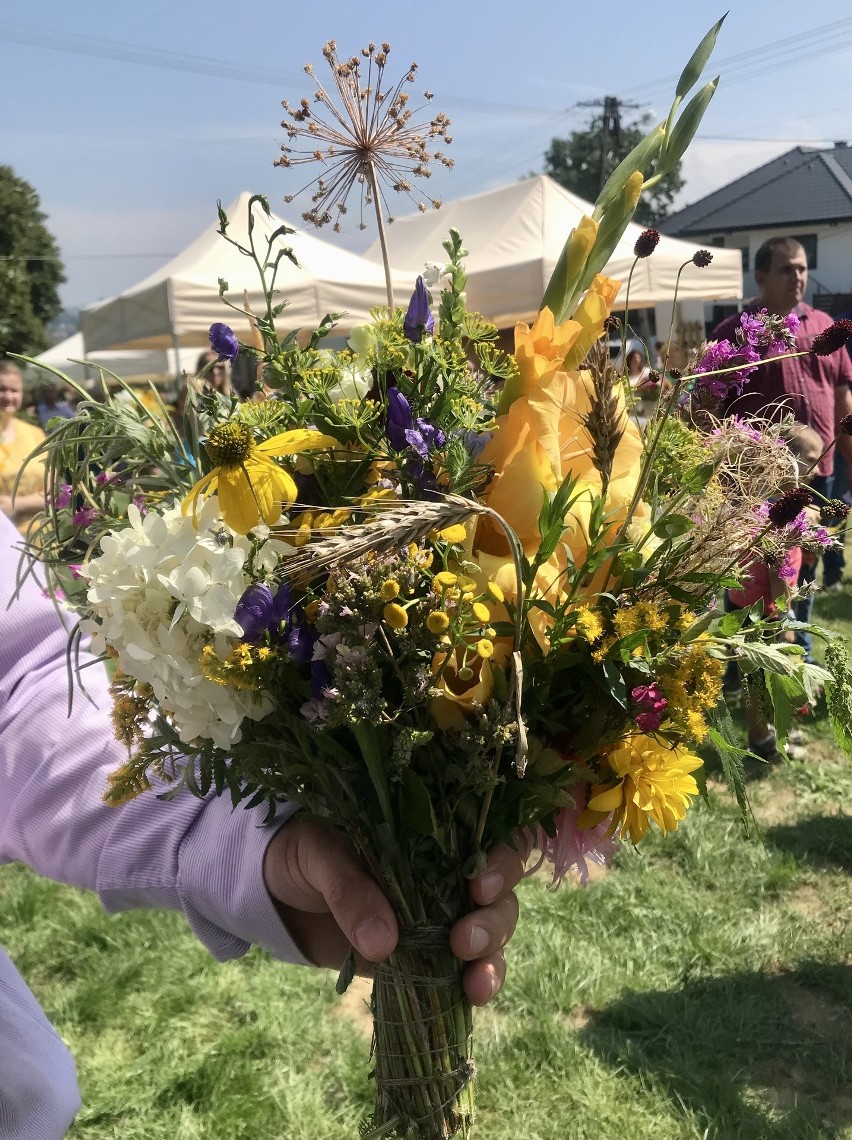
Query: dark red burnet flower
(833, 511)
(834, 337)
(790, 505)
(845, 425)
(702, 258)
(646, 243)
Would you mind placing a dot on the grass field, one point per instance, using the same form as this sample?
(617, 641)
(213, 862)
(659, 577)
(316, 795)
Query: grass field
(700, 990)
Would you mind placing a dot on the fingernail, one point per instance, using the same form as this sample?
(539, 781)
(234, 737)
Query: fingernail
(478, 940)
(490, 886)
(373, 938)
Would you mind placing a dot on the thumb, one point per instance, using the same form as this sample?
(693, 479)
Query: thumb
(314, 877)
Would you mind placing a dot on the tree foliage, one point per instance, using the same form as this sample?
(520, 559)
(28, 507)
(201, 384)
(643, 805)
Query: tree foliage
(30, 268)
(582, 162)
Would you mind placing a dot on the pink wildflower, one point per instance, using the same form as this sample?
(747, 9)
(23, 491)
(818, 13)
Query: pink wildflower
(573, 847)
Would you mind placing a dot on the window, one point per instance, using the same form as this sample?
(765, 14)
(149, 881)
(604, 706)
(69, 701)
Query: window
(744, 253)
(718, 241)
(808, 242)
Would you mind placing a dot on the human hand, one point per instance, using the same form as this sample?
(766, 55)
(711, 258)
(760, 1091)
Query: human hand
(328, 902)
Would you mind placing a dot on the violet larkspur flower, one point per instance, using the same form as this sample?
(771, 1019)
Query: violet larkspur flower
(419, 317)
(646, 243)
(259, 610)
(223, 341)
(789, 505)
(399, 419)
(833, 338)
(425, 437)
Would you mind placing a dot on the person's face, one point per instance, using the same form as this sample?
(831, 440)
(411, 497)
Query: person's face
(217, 377)
(11, 394)
(783, 285)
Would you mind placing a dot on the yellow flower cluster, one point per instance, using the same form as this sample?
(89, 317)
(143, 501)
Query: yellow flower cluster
(241, 669)
(692, 684)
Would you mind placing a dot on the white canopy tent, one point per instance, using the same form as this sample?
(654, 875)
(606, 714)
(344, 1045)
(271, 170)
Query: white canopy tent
(135, 365)
(515, 235)
(175, 306)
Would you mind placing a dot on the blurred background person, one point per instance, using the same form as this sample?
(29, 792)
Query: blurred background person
(17, 440)
(53, 401)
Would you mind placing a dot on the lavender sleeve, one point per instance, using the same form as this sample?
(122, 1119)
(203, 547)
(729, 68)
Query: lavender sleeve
(199, 856)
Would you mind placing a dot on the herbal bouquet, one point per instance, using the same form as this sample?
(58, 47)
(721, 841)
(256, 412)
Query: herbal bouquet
(440, 594)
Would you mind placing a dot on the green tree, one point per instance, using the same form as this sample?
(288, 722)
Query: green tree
(583, 161)
(30, 268)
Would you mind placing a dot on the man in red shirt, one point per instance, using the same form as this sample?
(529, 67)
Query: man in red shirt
(814, 389)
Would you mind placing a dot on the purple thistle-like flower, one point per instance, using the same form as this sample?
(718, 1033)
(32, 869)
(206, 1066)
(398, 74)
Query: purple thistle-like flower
(224, 341)
(419, 317)
(789, 505)
(646, 243)
(85, 516)
(833, 338)
(399, 419)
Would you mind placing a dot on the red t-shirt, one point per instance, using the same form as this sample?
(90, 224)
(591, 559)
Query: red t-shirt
(804, 386)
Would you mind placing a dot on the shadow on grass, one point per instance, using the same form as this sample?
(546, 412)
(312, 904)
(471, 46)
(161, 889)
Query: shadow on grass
(754, 1057)
(825, 840)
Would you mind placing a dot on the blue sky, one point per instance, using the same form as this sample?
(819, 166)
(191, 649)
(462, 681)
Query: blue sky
(131, 120)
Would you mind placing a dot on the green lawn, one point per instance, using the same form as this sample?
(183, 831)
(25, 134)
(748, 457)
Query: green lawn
(701, 990)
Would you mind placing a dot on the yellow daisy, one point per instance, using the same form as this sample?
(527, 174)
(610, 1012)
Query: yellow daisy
(250, 484)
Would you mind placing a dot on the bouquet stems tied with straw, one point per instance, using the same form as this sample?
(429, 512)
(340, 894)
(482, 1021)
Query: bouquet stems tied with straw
(442, 595)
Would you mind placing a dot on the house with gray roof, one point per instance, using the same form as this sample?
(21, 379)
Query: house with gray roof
(806, 194)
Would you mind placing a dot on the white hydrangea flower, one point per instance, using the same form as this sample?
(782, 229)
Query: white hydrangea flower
(159, 592)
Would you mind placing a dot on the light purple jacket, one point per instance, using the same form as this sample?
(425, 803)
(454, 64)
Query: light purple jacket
(198, 856)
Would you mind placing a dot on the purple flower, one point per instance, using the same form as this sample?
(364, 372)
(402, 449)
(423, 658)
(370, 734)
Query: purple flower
(301, 640)
(792, 322)
(258, 610)
(63, 499)
(419, 317)
(573, 846)
(475, 442)
(85, 516)
(399, 419)
(648, 721)
(788, 571)
(223, 341)
(649, 697)
(74, 570)
(425, 437)
(140, 504)
(105, 478)
(724, 354)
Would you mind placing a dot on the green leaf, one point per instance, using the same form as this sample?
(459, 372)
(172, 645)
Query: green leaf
(642, 155)
(695, 479)
(347, 972)
(731, 757)
(672, 526)
(698, 61)
(416, 805)
(685, 128)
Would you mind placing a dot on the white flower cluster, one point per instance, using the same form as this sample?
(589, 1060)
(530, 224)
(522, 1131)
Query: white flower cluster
(159, 592)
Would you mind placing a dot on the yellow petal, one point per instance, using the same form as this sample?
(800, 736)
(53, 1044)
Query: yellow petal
(199, 488)
(237, 501)
(273, 487)
(608, 800)
(296, 440)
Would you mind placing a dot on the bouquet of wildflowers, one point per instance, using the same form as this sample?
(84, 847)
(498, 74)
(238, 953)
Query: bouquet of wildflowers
(440, 594)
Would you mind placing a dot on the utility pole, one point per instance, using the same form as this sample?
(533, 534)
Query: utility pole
(610, 132)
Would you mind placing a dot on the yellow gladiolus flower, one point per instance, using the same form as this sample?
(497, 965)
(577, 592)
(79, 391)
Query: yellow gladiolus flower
(250, 484)
(654, 784)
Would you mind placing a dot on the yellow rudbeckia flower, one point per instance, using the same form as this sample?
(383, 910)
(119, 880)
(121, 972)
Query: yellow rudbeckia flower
(250, 484)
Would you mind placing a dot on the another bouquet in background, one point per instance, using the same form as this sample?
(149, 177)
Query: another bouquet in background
(438, 593)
